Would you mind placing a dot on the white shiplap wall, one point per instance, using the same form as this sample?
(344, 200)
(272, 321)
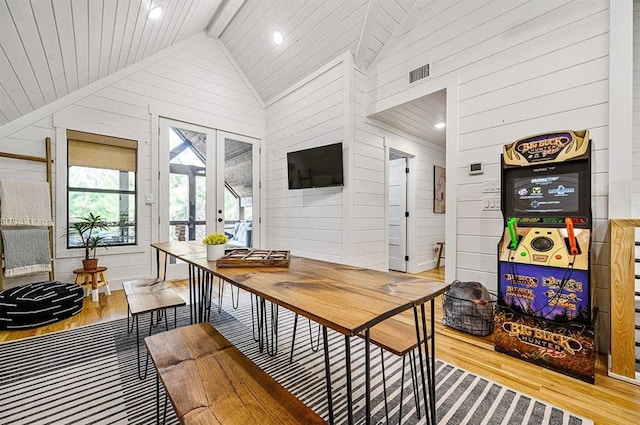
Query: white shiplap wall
(193, 82)
(522, 68)
(369, 187)
(309, 222)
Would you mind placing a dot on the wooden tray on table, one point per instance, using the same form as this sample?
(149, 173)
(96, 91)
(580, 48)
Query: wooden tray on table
(254, 258)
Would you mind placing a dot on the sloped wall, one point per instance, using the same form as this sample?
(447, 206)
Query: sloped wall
(193, 81)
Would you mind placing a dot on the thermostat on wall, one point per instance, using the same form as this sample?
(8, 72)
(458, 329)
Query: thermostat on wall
(476, 168)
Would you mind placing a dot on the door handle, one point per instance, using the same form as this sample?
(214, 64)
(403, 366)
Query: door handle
(219, 220)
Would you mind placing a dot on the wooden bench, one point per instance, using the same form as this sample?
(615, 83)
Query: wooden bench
(149, 296)
(209, 381)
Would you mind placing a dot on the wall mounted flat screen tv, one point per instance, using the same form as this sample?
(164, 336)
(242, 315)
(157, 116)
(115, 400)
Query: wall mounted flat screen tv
(315, 167)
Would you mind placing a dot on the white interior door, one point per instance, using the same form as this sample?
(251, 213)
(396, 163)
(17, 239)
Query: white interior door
(397, 209)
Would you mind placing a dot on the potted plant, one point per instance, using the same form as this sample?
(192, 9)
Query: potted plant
(85, 227)
(215, 243)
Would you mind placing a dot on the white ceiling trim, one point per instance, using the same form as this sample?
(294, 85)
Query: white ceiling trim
(366, 36)
(240, 72)
(223, 16)
(346, 56)
(77, 95)
(407, 21)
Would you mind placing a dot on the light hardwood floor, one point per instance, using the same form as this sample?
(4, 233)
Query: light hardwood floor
(608, 402)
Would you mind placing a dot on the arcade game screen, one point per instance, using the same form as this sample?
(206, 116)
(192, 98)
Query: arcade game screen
(554, 193)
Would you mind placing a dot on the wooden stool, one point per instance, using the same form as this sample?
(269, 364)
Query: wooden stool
(440, 253)
(95, 278)
(149, 296)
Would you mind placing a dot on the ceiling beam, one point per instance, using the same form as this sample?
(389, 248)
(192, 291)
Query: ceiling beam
(367, 33)
(225, 13)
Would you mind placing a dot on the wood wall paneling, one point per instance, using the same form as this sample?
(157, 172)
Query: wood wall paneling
(122, 109)
(306, 221)
(622, 269)
(517, 77)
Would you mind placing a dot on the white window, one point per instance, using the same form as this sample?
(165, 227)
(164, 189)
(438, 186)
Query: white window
(101, 179)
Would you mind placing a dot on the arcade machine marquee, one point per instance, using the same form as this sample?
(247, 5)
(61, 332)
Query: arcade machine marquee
(544, 313)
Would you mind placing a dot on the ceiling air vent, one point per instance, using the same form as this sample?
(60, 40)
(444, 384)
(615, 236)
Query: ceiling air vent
(419, 73)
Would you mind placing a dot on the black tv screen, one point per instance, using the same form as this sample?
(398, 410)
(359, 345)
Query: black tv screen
(315, 167)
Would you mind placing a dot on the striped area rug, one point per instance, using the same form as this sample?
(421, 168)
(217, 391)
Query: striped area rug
(89, 376)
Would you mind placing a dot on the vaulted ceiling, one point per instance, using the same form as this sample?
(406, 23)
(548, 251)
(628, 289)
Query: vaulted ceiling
(50, 48)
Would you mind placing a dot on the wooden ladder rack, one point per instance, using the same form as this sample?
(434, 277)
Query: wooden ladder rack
(48, 161)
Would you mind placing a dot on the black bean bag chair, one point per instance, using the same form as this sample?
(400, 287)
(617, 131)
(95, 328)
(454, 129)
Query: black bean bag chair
(38, 304)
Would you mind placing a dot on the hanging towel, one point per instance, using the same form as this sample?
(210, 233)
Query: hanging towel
(25, 203)
(26, 251)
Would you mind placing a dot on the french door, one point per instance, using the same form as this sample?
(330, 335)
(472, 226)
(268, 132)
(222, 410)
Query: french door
(208, 183)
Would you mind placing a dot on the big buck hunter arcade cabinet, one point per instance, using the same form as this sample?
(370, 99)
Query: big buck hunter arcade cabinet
(544, 313)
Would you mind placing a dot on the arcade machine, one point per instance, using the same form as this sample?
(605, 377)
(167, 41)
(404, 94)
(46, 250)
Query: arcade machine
(544, 313)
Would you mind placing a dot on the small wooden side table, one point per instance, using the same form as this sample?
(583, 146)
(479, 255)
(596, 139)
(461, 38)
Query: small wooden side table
(440, 253)
(95, 278)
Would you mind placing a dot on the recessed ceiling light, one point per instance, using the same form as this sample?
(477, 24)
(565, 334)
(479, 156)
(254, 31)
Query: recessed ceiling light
(155, 12)
(277, 38)
(440, 125)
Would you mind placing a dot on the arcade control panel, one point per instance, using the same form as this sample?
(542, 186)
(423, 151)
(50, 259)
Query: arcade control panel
(557, 247)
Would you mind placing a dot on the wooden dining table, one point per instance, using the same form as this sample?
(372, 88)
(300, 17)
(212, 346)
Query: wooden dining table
(348, 299)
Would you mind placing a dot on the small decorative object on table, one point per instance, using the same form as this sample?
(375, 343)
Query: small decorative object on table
(254, 258)
(216, 243)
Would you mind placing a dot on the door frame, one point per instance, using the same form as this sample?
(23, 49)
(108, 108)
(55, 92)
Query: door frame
(404, 227)
(410, 200)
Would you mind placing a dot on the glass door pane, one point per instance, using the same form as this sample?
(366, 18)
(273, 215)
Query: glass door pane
(186, 158)
(240, 179)
(188, 179)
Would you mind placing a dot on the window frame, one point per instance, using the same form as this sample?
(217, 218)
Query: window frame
(61, 200)
(120, 192)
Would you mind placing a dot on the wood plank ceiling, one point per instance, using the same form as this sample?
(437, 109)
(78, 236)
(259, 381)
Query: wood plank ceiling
(314, 33)
(50, 48)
